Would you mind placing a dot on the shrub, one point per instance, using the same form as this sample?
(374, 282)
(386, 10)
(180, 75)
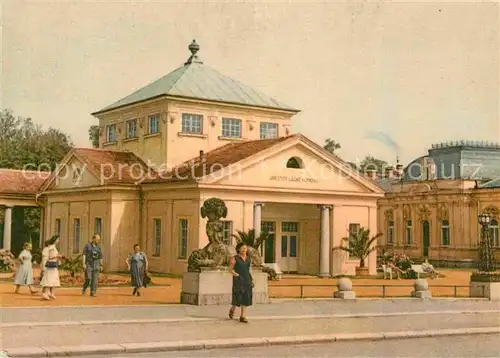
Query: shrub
(7, 261)
(73, 264)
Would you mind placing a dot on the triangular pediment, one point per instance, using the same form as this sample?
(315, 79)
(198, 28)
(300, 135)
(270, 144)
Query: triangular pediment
(318, 171)
(71, 173)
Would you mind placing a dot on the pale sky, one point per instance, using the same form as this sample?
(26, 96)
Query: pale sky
(418, 73)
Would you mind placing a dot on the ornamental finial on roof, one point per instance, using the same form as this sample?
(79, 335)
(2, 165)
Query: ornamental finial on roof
(194, 48)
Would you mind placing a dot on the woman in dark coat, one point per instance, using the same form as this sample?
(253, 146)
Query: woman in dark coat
(239, 267)
(137, 263)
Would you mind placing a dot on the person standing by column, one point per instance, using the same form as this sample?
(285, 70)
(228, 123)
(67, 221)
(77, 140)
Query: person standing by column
(24, 274)
(92, 264)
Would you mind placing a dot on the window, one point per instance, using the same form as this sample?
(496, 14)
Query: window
(157, 237)
(353, 230)
(192, 123)
(390, 232)
(294, 163)
(131, 129)
(288, 226)
(227, 232)
(76, 232)
(77, 174)
(57, 227)
(408, 233)
(231, 128)
(154, 124)
(183, 238)
(98, 226)
(268, 130)
(111, 133)
(494, 232)
(445, 233)
(267, 248)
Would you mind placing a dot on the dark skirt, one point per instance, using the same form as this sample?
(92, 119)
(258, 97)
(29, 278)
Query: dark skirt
(137, 273)
(242, 291)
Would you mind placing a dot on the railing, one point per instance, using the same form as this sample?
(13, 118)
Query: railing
(321, 291)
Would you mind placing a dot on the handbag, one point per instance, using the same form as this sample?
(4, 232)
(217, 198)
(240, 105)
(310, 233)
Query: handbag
(51, 264)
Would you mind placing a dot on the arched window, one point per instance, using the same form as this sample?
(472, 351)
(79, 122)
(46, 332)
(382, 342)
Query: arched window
(445, 233)
(390, 232)
(77, 173)
(294, 163)
(494, 232)
(409, 231)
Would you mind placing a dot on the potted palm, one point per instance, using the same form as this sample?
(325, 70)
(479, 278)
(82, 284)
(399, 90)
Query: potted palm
(360, 245)
(253, 243)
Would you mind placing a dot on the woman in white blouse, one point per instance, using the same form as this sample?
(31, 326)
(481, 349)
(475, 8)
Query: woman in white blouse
(50, 267)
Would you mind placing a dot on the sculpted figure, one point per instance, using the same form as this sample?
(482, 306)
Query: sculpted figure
(216, 253)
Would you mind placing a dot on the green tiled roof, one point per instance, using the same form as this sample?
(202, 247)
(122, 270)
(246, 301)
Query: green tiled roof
(195, 80)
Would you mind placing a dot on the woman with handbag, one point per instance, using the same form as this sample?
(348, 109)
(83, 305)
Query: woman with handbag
(24, 274)
(50, 267)
(137, 263)
(239, 267)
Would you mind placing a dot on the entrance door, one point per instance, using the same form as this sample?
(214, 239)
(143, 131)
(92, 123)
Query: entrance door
(426, 232)
(267, 249)
(289, 245)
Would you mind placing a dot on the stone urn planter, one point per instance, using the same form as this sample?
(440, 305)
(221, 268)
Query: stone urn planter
(362, 271)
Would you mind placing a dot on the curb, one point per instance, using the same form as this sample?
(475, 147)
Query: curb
(150, 347)
(255, 318)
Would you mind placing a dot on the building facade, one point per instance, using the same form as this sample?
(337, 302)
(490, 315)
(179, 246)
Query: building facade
(196, 134)
(431, 208)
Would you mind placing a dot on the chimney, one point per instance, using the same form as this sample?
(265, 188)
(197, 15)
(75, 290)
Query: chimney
(372, 173)
(389, 173)
(201, 154)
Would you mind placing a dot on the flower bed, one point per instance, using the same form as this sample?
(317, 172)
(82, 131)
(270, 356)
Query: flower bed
(77, 280)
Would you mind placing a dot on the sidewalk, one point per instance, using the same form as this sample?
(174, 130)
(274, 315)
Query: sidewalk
(53, 336)
(278, 308)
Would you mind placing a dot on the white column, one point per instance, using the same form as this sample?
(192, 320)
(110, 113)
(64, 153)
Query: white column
(257, 217)
(42, 227)
(7, 228)
(324, 255)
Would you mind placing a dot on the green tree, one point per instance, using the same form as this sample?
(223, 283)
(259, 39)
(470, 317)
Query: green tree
(359, 244)
(331, 146)
(94, 135)
(26, 145)
(371, 163)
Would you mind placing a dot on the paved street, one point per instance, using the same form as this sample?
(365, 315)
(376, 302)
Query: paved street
(471, 346)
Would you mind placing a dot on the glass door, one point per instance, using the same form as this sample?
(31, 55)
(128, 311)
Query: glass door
(289, 245)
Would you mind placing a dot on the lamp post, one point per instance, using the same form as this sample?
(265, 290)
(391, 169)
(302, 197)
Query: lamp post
(486, 262)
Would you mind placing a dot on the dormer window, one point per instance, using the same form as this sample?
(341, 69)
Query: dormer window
(294, 163)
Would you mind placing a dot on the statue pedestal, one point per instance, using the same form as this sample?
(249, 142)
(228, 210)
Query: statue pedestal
(489, 290)
(214, 287)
